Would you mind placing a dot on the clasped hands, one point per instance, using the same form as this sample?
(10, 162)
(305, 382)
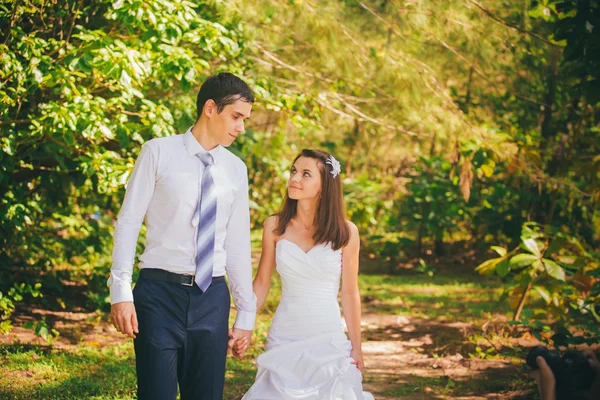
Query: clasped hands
(239, 341)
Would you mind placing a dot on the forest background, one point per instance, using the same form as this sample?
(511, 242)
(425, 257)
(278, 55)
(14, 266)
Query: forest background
(467, 132)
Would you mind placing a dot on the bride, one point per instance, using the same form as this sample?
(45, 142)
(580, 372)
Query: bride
(312, 245)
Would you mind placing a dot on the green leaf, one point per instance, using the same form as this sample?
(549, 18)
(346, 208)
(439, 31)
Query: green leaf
(42, 332)
(5, 327)
(125, 79)
(570, 260)
(487, 169)
(554, 270)
(522, 260)
(532, 246)
(544, 293)
(503, 268)
(500, 250)
(488, 266)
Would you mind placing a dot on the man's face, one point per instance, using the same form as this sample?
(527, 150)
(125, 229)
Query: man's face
(224, 127)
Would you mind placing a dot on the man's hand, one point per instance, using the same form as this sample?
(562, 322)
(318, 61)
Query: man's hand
(124, 318)
(239, 340)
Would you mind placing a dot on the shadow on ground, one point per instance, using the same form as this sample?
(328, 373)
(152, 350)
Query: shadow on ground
(414, 358)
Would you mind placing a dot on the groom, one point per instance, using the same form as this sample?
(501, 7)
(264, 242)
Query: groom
(193, 194)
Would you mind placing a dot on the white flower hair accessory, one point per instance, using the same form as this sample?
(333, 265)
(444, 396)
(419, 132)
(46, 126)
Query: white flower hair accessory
(335, 165)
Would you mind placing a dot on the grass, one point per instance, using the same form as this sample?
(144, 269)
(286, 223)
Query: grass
(439, 297)
(39, 372)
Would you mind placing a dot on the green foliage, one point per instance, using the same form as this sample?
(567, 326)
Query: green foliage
(433, 207)
(562, 273)
(42, 330)
(9, 300)
(7, 306)
(425, 268)
(364, 209)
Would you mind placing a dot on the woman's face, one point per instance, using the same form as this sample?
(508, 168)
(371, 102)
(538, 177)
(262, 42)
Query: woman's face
(305, 179)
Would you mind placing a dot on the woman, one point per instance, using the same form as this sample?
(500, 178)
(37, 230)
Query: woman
(312, 245)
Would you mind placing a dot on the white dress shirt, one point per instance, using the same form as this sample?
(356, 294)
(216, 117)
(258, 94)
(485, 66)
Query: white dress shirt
(164, 187)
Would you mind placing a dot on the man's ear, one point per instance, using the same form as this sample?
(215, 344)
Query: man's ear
(210, 107)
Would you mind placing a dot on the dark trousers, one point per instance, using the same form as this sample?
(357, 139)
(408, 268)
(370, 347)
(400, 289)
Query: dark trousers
(182, 339)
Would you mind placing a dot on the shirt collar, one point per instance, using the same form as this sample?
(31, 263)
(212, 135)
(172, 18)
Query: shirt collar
(194, 147)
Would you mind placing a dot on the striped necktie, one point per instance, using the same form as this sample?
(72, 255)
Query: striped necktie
(205, 242)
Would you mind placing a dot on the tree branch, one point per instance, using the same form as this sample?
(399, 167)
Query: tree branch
(283, 64)
(15, 121)
(521, 30)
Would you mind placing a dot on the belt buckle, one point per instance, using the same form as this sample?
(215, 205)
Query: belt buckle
(193, 277)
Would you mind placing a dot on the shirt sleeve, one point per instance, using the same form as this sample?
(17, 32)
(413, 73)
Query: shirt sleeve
(139, 191)
(239, 263)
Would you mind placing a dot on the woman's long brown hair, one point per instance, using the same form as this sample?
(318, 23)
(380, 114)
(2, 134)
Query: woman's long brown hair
(330, 218)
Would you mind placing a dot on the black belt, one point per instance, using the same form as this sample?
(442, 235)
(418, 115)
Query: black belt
(163, 275)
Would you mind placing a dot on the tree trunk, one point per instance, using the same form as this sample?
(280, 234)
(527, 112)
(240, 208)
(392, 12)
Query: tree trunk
(550, 99)
(468, 95)
(438, 247)
(353, 142)
(421, 230)
(522, 302)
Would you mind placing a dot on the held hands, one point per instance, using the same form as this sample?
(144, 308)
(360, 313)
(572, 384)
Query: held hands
(239, 340)
(124, 318)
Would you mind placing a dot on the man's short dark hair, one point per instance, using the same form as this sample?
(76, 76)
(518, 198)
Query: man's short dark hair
(224, 89)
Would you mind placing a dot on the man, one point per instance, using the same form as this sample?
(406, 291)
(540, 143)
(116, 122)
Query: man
(193, 193)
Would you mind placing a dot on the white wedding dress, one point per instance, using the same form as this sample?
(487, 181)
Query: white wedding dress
(308, 353)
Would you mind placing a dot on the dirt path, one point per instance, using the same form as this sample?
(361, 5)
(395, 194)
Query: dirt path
(401, 361)
(76, 329)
